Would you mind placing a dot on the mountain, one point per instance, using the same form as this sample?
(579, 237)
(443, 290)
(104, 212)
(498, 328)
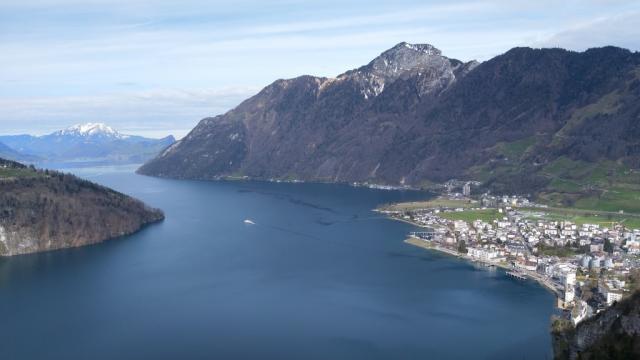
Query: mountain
(11, 154)
(613, 333)
(311, 128)
(46, 210)
(94, 131)
(91, 142)
(413, 116)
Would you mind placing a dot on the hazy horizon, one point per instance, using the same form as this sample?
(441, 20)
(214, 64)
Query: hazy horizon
(157, 68)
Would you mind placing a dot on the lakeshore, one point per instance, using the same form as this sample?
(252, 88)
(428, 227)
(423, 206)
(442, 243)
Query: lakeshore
(307, 273)
(586, 265)
(428, 245)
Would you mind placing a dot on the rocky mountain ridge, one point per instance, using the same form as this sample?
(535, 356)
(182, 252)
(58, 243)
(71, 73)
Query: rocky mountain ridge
(434, 73)
(413, 117)
(289, 121)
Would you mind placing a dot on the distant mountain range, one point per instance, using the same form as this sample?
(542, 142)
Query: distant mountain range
(413, 116)
(9, 153)
(85, 143)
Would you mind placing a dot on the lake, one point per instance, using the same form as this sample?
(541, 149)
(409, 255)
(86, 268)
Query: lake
(319, 276)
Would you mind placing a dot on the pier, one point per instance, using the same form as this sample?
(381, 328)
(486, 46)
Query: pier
(516, 275)
(425, 235)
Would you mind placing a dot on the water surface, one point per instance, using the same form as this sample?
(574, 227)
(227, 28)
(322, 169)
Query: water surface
(319, 276)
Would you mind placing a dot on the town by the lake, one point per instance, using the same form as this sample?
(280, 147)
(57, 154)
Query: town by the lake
(588, 265)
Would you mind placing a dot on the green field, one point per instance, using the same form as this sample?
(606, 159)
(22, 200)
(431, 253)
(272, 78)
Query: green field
(17, 173)
(486, 215)
(516, 149)
(581, 216)
(614, 199)
(429, 204)
(605, 186)
(564, 185)
(602, 192)
(557, 251)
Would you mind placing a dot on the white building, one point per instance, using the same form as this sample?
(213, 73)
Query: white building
(466, 189)
(610, 293)
(613, 296)
(482, 254)
(569, 286)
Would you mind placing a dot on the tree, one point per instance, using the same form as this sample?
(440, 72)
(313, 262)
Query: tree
(608, 246)
(462, 247)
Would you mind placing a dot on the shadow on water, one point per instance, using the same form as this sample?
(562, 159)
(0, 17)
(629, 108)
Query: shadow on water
(289, 198)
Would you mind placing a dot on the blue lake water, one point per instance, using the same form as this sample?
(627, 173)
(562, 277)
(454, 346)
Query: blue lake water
(320, 276)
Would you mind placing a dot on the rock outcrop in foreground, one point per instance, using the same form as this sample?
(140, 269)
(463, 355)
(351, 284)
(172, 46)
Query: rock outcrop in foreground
(612, 334)
(44, 210)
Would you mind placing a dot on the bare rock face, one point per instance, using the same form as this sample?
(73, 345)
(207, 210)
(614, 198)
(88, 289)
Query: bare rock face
(612, 334)
(433, 72)
(413, 116)
(46, 210)
(292, 128)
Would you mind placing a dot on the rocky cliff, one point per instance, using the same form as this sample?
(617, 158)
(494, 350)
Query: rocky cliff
(612, 334)
(414, 116)
(44, 210)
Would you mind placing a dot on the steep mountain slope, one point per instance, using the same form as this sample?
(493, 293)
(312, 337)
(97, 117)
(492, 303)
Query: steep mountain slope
(91, 142)
(412, 116)
(45, 210)
(292, 128)
(612, 334)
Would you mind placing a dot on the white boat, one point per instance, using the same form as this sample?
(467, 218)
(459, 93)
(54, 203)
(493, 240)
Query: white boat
(247, 221)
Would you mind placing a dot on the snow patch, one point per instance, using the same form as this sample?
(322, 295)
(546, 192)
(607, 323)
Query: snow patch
(91, 129)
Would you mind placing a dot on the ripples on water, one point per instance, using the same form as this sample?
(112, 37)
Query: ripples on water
(319, 276)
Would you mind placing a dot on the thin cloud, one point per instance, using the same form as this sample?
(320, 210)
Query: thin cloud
(619, 30)
(87, 60)
(158, 110)
(423, 13)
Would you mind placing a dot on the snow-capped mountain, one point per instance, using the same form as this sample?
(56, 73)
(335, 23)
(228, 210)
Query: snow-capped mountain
(90, 142)
(91, 130)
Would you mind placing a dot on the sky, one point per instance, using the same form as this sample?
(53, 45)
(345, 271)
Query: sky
(157, 67)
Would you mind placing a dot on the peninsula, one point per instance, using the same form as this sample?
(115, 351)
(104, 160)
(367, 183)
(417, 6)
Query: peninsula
(44, 210)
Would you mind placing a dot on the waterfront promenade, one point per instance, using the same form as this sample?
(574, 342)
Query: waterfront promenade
(429, 245)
